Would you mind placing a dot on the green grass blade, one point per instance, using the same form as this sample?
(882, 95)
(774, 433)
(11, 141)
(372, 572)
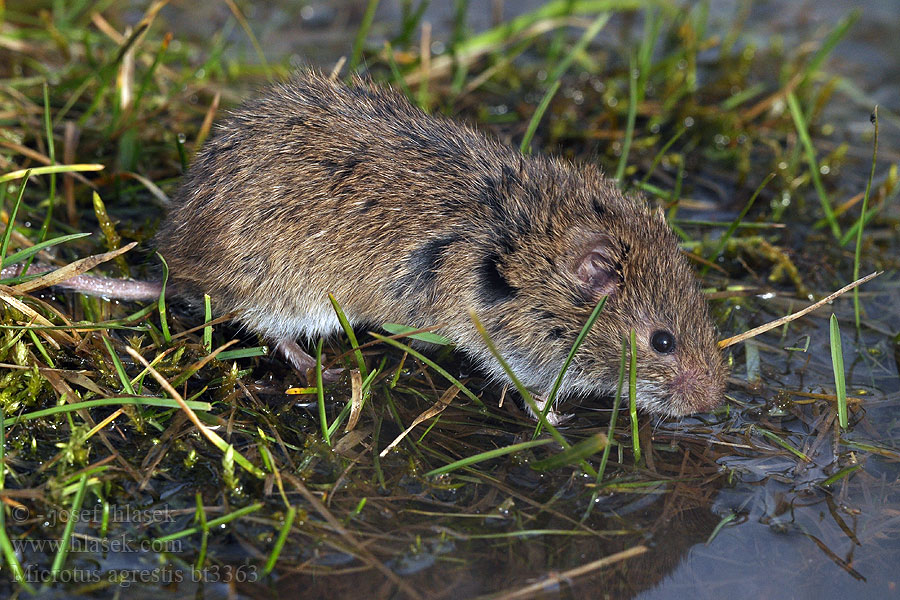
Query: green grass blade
(837, 364)
(803, 133)
(424, 336)
(555, 78)
(836, 35)
(13, 175)
(114, 401)
(11, 224)
(51, 154)
(525, 146)
(629, 124)
(632, 400)
(22, 255)
(362, 34)
(526, 395)
(578, 452)
(662, 152)
(210, 525)
(438, 369)
(862, 218)
(161, 303)
(345, 324)
(551, 399)
(483, 456)
(736, 223)
(66, 539)
(208, 330)
(722, 523)
(243, 353)
(200, 519)
(282, 538)
(780, 442)
(120, 370)
(9, 553)
(320, 394)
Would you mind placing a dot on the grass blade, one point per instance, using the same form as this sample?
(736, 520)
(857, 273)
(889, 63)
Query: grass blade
(282, 538)
(578, 452)
(556, 76)
(723, 241)
(65, 541)
(114, 401)
(526, 395)
(551, 399)
(208, 330)
(211, 524)
(22, 255)
(362, 34)
(632, 399)
(483, 456)
(120, 370)
(345, 324)
(837, 363)
(629, 125)
(425, 336)
(438, 369)
(11, 224)
(12, 175)
(862, 218)
(320, 393)
(163, 322)
(803, 133)
(9, 553)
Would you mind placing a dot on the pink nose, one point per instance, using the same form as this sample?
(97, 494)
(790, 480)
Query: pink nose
(696, 390)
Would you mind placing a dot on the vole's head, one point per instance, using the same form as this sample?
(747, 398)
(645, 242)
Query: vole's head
(650, 290)
(601, 243)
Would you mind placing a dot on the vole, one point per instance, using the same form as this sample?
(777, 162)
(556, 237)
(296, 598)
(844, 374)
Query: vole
(317, 187)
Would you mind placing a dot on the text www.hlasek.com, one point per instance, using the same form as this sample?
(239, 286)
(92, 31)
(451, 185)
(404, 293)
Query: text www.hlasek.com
(78, 543)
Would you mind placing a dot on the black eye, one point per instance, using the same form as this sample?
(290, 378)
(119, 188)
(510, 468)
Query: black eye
(663, 342)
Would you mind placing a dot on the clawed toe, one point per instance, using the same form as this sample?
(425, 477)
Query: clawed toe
(303, 362)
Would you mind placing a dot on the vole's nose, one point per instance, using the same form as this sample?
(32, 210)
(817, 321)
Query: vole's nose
(697, 390)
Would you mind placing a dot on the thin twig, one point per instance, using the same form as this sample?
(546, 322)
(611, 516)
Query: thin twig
(787, 319)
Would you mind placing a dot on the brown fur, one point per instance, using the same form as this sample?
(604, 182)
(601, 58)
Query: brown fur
(317, 187)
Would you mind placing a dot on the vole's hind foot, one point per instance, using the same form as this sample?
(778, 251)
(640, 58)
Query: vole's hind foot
(554, 418)
(303, 362)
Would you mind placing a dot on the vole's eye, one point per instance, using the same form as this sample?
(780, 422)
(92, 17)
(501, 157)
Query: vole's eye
(663, 342)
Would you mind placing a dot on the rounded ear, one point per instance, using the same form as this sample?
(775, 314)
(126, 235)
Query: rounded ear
(599, 270)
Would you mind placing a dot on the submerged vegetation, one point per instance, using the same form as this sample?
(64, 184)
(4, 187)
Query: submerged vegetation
(215, 466)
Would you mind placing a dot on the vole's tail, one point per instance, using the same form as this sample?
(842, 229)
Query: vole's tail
(120, 289)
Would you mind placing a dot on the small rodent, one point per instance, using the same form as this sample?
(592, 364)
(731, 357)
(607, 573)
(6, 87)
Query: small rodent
(318, 187)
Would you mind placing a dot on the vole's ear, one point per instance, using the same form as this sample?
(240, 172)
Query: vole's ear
(599, 269)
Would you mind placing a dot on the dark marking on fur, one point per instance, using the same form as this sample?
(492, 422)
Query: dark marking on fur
(423, 266)
(493, 285)
(556, 333)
